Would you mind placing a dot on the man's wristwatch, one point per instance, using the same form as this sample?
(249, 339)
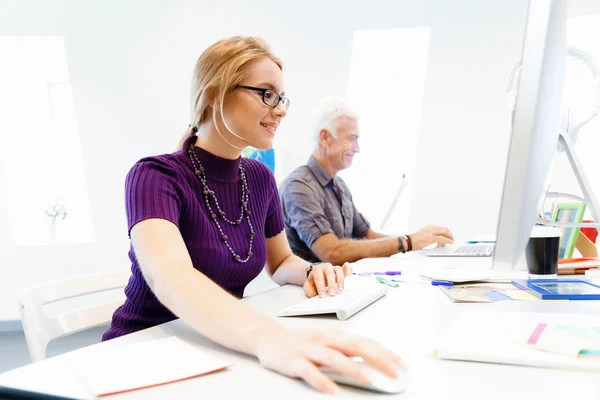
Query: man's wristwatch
(401, 248)
(310, 267)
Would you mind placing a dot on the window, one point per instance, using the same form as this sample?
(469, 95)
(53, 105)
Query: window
(42, 173)
(386, 84)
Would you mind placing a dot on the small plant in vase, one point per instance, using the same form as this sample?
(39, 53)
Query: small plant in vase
(54, 213)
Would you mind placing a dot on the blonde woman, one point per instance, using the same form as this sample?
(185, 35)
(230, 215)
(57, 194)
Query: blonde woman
(204, 222)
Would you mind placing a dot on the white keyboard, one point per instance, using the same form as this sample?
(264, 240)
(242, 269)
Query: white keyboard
(344, 304)
(464, 250)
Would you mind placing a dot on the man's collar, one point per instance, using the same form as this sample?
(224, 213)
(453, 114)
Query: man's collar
(319, 172)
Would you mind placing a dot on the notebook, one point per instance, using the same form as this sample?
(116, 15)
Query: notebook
(505, 338)
(141, 365)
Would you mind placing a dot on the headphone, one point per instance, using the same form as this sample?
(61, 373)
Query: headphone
(567, 123)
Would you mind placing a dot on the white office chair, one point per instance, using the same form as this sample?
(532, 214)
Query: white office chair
(41, 329)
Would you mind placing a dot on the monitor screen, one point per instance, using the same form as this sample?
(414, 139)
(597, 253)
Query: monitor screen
(535, 127)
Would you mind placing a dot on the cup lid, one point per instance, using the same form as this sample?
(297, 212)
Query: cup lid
(545, 231)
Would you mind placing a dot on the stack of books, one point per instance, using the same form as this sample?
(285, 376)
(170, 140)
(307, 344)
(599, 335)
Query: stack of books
(573, 266)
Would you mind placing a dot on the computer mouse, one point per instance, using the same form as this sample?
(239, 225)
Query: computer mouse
(380, 382)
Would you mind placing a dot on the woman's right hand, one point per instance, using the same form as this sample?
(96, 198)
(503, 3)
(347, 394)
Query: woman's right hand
(298, 353)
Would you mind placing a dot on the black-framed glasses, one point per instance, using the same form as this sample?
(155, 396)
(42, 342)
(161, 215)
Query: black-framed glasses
(269, 96)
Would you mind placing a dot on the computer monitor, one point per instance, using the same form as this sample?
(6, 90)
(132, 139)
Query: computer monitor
(535, 127)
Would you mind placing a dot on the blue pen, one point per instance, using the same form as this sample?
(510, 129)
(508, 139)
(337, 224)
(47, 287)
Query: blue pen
(480, 241)
(377, 273)
(442, 283)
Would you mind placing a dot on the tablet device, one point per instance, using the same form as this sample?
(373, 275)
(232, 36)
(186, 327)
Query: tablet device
(560, 289)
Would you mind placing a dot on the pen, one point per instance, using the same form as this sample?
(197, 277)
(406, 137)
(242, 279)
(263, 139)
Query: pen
(377, 273)
(386, 282)
(480, 241)
(442, 283)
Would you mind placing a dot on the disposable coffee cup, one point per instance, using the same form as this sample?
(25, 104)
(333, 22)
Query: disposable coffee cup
(542, 252)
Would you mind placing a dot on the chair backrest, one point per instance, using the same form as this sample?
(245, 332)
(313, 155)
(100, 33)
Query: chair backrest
(40, 329)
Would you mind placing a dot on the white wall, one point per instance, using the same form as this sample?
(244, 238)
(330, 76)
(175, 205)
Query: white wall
(464, 137)
(464, 132)
(131, 61)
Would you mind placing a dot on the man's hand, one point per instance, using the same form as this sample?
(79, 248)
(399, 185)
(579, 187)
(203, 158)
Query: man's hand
(431, 234)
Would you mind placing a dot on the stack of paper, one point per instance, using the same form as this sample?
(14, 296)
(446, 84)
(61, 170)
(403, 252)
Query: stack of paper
(141, 365)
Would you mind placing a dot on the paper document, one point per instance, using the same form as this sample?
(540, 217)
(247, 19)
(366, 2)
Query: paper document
(569, 340)
(506, 338)
(386, 264)
(141, 365)
(471, 275)
(485, 293)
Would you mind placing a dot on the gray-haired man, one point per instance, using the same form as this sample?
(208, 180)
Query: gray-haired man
(321, 220)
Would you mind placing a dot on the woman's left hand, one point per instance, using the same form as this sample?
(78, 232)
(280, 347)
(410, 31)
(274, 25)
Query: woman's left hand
(326, 279)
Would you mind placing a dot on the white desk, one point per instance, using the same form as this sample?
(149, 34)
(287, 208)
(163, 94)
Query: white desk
(410, 320)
